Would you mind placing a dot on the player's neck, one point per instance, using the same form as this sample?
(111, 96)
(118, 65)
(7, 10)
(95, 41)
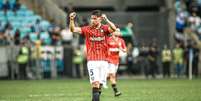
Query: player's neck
(96, 26)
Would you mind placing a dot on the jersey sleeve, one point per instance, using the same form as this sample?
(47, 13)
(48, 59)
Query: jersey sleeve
(83, 31)
(106, 29)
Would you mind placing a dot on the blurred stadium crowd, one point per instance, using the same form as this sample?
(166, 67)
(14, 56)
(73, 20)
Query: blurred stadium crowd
(46, 48)
(18, 23)
(20, 27)
(188, 15)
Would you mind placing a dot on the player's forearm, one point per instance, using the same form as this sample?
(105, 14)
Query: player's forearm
(72, 25)
(112, 25)
(117, 33)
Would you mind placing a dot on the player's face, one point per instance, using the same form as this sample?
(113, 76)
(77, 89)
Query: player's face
(95, 20)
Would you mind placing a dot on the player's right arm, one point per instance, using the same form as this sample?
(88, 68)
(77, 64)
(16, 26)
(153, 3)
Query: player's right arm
(72, 26)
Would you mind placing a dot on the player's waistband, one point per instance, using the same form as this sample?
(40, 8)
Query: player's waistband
(97, 60)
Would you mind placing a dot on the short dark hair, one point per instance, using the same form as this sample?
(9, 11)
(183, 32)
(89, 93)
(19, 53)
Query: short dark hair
(97, 13)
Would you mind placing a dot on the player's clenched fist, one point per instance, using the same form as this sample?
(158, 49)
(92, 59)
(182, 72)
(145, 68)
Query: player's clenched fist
(104, 17)
(72, 15)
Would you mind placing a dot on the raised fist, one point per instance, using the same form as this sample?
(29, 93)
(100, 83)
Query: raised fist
(72, 15)
(104, 16)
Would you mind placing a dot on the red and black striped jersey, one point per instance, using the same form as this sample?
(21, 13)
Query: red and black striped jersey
(95, 40)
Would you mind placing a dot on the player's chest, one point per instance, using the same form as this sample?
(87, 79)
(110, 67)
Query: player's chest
(96, 35)
(96, 32)
(113, 43)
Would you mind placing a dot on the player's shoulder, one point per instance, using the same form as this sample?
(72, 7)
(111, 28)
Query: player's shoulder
(105, 26)
(85, 27)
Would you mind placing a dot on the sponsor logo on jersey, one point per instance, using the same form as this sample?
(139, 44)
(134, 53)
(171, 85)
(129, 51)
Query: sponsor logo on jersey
(97, 38)
(113, 49)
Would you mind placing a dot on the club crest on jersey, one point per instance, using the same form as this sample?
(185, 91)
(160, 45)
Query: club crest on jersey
(97, 38)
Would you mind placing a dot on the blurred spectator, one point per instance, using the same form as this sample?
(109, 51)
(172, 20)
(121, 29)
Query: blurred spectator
(55, 35)
(128, 29)
(199, 33)
(130, 58)
(34, 36)
(2, 39)
(77, 60)
(67, 36)
(187, 50)
(36, 58)
(144, 51)
(22, 60)
(17, 37)
(16, 5)
(59, 56)
(193, 6)
(1, 27)
(9, 36)
(180, 5)
(45, 38)
(178, 54)
(196, 53)
(8, 26)
(194, 21)
(192, 47)
(166, 61)
(37, 26)
(199, 7)
(152, 58)
(180, 22)
(6, 5)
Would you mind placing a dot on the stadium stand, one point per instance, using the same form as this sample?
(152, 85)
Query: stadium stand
(22, 19)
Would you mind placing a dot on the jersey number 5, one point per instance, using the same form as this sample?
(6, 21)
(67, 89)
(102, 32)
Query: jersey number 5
(91, 72)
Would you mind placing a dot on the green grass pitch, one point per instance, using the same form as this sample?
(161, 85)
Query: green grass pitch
(79, 90)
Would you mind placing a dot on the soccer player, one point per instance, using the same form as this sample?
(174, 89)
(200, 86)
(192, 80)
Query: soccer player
(115, 45)
(95, 38)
